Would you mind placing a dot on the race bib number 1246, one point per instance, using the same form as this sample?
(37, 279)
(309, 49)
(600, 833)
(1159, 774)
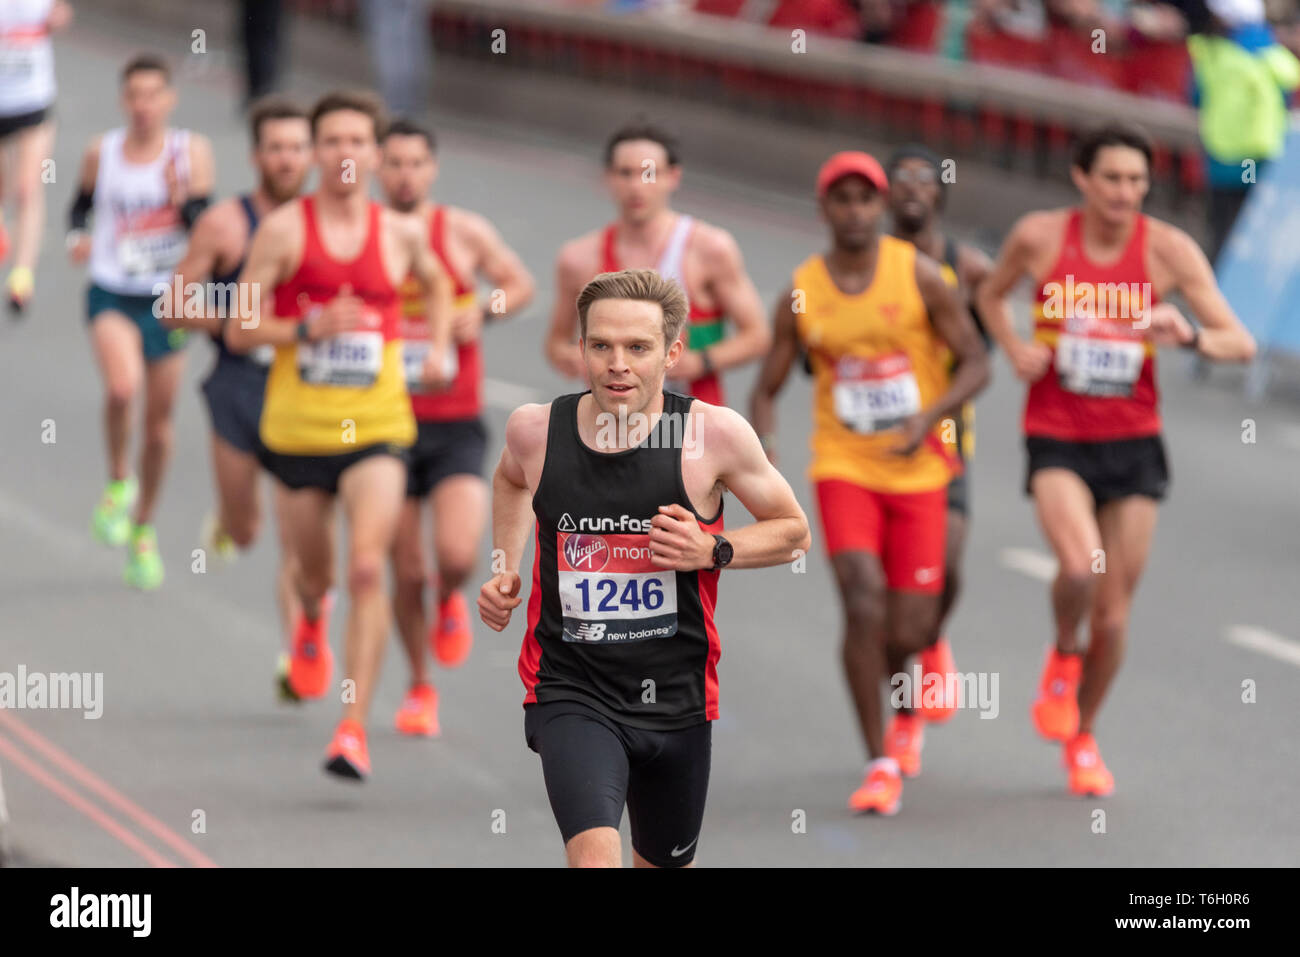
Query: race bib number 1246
(611, 592)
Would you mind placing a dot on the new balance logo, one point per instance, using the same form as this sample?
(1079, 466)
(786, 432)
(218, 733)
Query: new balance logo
(590, 631)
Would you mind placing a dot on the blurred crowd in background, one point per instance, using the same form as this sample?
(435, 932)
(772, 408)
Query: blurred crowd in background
(1235, 61)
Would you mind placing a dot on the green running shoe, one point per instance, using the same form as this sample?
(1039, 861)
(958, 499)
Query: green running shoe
(144, 569)
(111, 521)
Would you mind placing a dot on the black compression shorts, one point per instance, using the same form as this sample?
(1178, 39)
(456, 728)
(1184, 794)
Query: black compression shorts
(593, 765)
(1111, 470)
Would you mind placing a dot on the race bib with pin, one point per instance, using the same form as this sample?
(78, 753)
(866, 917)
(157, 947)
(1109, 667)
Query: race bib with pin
(610, 592)
(874, 394)
(1099, 358)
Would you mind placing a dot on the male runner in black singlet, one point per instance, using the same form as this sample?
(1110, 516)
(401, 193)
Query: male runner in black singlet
(620, 657)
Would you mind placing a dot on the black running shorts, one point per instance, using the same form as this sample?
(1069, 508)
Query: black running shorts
(234, 390)
(1111, 470)
(593, 765)
(444, 449)
(324, 471)
(959, 494)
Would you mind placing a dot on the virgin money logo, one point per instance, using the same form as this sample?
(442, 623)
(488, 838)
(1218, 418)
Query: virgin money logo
(587, 553)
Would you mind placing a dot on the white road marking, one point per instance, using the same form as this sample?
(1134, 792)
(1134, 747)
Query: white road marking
(1265, 642)
(1029, 562)
(508, 395)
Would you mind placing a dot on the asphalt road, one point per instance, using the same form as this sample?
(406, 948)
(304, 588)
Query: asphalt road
(190, 723)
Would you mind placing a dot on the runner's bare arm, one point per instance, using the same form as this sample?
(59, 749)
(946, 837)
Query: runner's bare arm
(1011, 265)
(781, 528)
(512, 513)
(955, 326)
(426, 268)
(737, 299)
(561, 345)
(203, 167)
(776, 367)
(60, 16)
(1029, 358)
(1223, 338)
(973, 267)
(267, 265)
(512, 283)
(210, 242)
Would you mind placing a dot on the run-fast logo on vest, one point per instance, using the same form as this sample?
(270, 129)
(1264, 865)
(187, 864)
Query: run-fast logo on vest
(610, 591)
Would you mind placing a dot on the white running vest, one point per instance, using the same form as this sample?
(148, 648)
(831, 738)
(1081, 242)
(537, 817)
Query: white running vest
(138, 237)
(26, 57)
(670, 263)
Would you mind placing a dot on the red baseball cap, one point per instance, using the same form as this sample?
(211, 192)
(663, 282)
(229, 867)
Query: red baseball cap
(851, 163)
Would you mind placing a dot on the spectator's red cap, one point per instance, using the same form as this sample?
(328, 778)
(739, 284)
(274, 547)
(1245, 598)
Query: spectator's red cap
(851, 163)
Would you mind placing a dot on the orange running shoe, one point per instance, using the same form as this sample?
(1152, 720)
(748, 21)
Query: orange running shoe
(311, 660)
(419, 712)
(937, 661)
(881, 791)
(1088, 773)
(903, 741)
(1056, 709)
(451, 636)
(347, 756)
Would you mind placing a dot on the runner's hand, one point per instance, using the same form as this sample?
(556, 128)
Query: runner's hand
(678, 542)
(343, 313)
(433, 374)
(79, 252)
(912, 432)
(498, 598)
(1031, 361)
(467, 324)
(1168, 326)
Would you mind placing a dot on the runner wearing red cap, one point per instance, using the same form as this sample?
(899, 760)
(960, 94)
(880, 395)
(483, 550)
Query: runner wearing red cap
(1092, 424)
(642, 171)
(875, 316)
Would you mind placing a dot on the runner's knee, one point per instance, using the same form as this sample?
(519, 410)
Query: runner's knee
(365, 573)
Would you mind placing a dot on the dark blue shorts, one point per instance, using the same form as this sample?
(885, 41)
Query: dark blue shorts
(159, 341)
(234, 390)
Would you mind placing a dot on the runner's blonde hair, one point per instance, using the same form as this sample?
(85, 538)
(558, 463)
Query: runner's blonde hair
(640, 285)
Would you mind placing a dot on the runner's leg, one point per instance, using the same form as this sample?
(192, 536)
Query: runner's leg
(861, 581)
(460, 509)
(372, 492)
(307, 522)
(239, 509)
(1127, 526)
(286, 579)
(162, 379)
(952, 579)
(120, 356)
(1066, 512)
(410, 575)
(33, 147)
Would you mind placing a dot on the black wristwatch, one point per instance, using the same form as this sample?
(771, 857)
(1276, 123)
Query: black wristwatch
(1195, 344)
(708, 363)
(302, 332)
(722, 553)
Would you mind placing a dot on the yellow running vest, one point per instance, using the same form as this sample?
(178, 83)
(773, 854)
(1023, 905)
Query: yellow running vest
(876, 359)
